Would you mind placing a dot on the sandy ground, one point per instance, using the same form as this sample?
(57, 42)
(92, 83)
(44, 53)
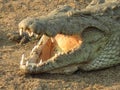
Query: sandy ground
(11, 13)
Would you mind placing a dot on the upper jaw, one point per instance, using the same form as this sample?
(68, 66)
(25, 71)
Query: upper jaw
(31, 34)
(27, 31)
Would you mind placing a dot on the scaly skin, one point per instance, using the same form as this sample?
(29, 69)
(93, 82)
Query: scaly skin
(98, 25)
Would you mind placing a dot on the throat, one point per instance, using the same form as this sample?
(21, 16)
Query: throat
(60, 44)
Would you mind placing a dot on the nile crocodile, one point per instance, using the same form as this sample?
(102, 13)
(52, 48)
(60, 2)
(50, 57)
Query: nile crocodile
(86, 39)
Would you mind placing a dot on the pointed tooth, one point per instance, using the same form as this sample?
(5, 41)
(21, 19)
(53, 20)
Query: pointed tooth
(30, 64)
(34, 48)
(43, 40)
(30, 34)
(59, 53)
(40, 61)
(36, 36)
(23, 56)
(21, 62)
(21, 32)
(27, 63)
(55, 55)
(52, 40)
(22, 59)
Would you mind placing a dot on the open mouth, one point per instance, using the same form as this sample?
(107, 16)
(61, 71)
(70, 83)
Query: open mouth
(58, 45)
(48, 48)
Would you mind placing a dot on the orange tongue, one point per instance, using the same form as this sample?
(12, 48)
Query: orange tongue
(64, 42)
(67, 43)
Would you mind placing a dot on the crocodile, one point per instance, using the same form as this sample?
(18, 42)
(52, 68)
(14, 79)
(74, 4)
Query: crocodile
(72, 39)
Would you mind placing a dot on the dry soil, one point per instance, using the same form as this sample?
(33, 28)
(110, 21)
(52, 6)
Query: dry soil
(11, 13)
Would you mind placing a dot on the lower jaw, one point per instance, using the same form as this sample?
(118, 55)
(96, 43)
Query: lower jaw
(50, 48)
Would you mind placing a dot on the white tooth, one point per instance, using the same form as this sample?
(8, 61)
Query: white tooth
(52, 40)
(20, 31)
(31, 34)
(40, 61)
(27, 63)
(43, 40)
(36, 36)
(56, 55)
(22, 59)
(59, 53)
(35, 47)
(62, 53)
(21, 62)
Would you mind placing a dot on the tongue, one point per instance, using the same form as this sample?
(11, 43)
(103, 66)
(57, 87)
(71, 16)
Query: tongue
(67, 43)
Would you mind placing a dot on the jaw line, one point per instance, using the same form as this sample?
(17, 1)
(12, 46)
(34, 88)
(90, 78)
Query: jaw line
(38, 49)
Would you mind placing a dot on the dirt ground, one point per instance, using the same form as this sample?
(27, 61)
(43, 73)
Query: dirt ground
(11, 13)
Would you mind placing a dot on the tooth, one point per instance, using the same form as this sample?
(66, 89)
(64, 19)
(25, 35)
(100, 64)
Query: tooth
(20, 31)
(36, 36)
(35, 47)
(56, 55)
(31, 34)
(22, 59)
(52, 40)
(59, 53)
(21, 62)
(43, 40)
(40, 61)
(27, 63)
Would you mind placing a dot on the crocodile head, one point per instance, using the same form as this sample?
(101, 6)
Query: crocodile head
(69, 42)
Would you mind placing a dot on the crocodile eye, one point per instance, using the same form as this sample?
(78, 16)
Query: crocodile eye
(92, 34)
